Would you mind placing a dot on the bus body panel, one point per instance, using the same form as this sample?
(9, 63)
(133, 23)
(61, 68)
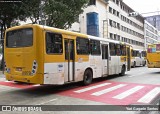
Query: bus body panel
(153, 60)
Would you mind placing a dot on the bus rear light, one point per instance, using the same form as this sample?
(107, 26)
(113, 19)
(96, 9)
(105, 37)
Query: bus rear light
(5, 67)
(8, 70)
(34, 67)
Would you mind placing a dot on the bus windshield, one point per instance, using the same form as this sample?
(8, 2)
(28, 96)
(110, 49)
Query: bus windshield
(19, 38)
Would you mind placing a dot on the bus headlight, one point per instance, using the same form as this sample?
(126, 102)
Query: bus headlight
(34, 67)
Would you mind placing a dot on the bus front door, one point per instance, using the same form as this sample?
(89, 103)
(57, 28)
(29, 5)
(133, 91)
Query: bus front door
(105, 62)
(69, 60)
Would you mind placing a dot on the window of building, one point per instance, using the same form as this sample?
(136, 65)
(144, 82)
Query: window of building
(110, 23)
(118, 25)
(122, 39)
(114, 11)
(114, 24)
(118, 37)
(53, 43)
(82, 45)
(115, 37)
(95, 47)
(111, 36)
(110, 9)
(117, 2)
(117, 13)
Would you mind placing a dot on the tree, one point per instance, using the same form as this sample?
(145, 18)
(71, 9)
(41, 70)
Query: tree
(32, 9)
(11, 11)
(63, 13)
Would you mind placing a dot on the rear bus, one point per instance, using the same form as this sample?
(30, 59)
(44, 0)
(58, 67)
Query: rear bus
(23, 52)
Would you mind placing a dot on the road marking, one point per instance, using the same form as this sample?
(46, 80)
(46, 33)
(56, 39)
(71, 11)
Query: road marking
(108, 90)
(90, 88)
(128, 92)
(150, 95)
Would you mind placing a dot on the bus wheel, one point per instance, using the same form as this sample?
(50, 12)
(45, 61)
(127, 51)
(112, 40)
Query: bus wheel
(134, 64)
(87, 79)
(123, 70)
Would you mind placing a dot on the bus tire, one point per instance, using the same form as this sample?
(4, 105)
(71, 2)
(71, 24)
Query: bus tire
(123, 70)
(134, 64)
(87, 78)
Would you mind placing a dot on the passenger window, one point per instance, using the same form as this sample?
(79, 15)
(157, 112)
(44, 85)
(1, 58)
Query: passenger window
(118, 49)
(95, 47)
(112, 49)
(82, 45)
(123, 50)
(53, 43)
(104, 51)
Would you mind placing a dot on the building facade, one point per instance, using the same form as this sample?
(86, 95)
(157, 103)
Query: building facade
(110, 19)
(154, 20)
(151, 34)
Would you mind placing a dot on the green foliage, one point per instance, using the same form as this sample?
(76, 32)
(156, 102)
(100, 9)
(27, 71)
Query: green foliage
(31, 9)
(58, 13)
(9, 11)
(62, 13)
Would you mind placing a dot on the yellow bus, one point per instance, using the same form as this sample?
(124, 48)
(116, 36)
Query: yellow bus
(153, 56)
(138, 57)
(46, 55)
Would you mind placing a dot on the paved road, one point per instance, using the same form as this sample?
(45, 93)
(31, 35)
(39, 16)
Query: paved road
(139, 86)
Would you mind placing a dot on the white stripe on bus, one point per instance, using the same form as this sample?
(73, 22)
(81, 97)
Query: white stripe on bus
(128, 92)
(90, 88)
(108, 90)
(150, 95)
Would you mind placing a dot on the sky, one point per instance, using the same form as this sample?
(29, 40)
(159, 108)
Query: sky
(144, 6)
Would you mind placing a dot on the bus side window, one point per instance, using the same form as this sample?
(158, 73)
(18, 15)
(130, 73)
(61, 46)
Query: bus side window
(137, 54)
(104, 51)
(53, 43)
(112, 49)
(134, 54)
(123, 50)
(143, 53)
(118, 49)
(95, 47)
(140, 54)
(82, 45)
